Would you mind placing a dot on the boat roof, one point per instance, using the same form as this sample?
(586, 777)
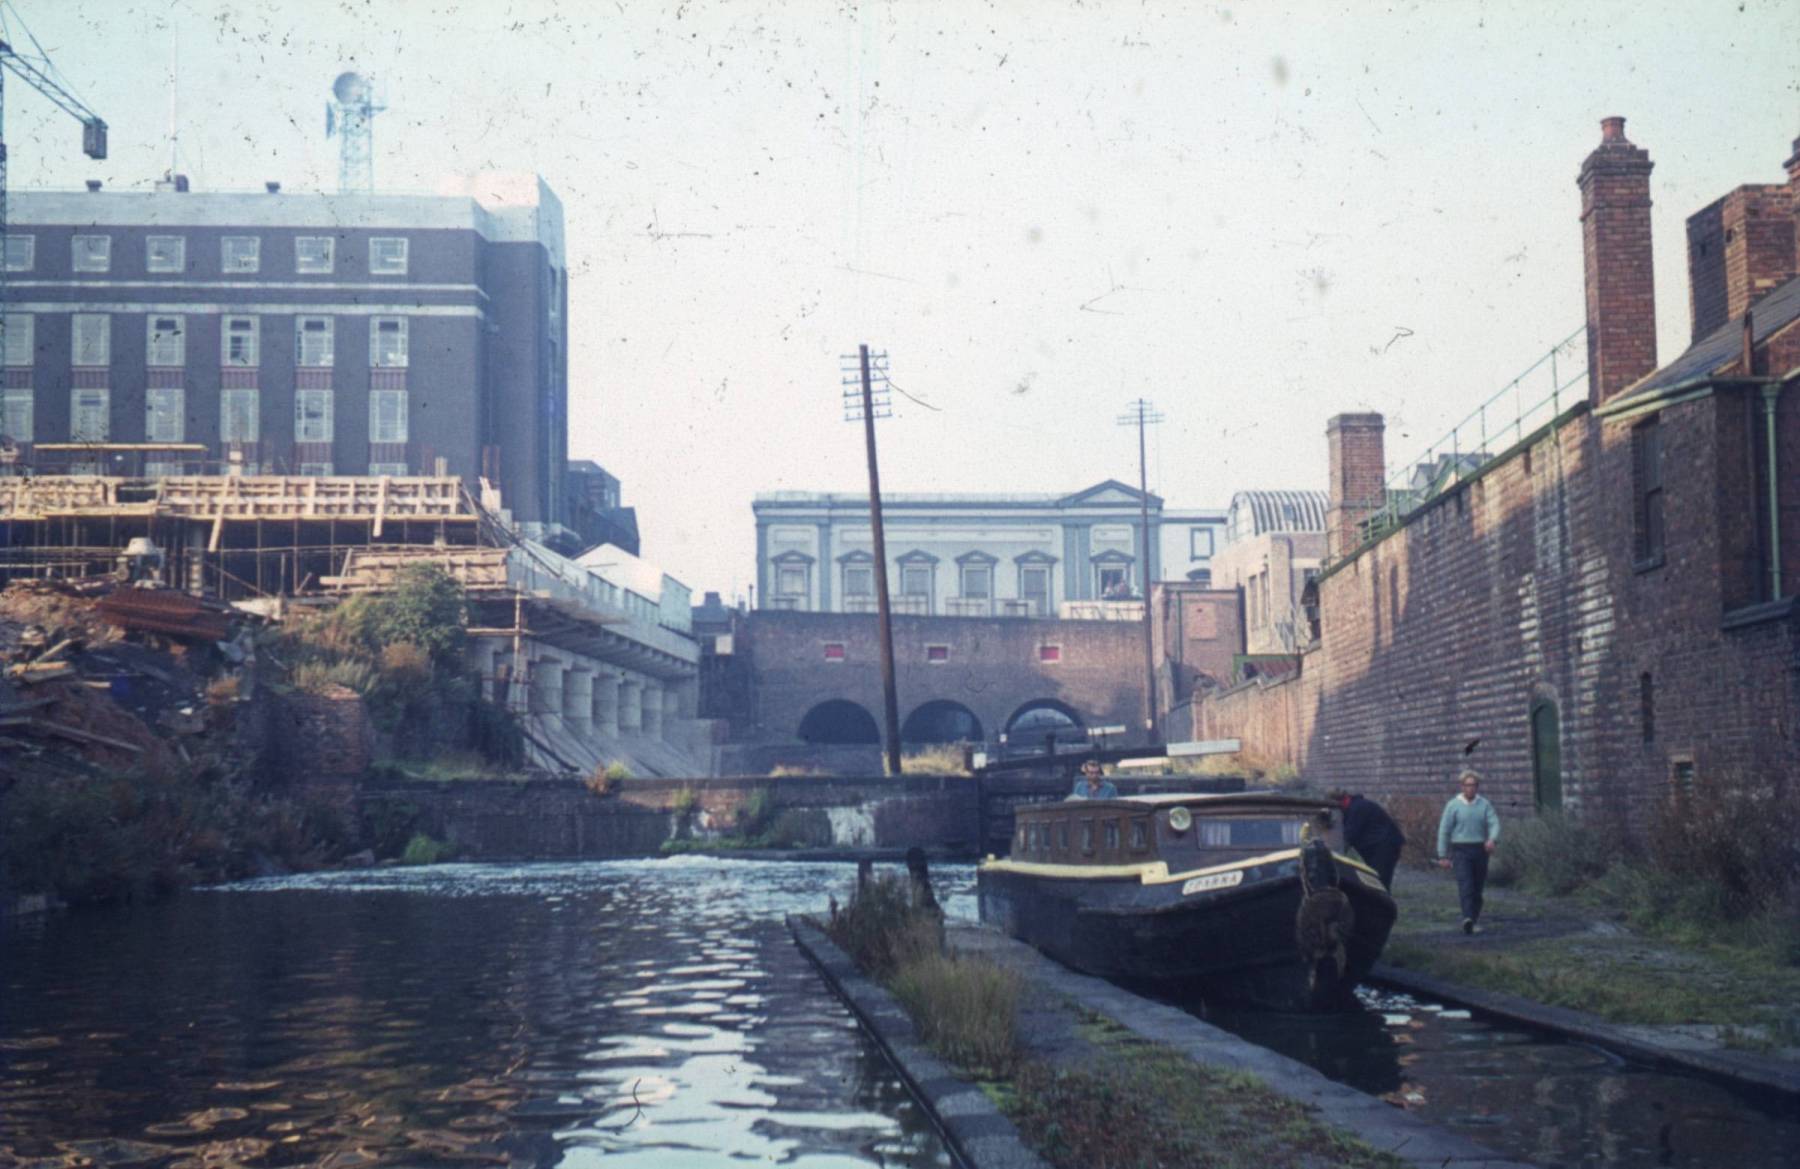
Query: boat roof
(1200, 802)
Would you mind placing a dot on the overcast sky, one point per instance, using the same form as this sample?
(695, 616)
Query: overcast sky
(1255, 215)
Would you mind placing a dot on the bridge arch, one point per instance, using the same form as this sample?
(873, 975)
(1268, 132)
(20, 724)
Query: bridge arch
(1040, 717)
(839, 722)
(941, 721)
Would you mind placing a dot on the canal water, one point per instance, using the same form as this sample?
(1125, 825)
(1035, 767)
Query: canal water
(1531, 1096)
(638, 1013)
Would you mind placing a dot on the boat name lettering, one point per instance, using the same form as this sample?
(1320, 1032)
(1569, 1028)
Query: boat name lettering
(1213, 881)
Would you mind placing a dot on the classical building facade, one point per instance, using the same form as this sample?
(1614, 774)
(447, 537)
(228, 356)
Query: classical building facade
(1026, 555)
(168, 332)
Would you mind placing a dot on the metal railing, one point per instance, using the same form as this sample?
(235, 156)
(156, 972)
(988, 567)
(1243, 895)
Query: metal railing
(1529, 401)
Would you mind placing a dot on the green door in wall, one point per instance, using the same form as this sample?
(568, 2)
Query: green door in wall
(1546, 757)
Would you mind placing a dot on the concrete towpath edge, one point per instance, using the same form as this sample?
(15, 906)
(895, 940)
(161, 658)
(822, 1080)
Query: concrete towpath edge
(977, 1133)
(1737, 1067)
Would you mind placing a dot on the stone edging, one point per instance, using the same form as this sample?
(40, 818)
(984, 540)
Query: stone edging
(977, 1133)
(1742, 1068)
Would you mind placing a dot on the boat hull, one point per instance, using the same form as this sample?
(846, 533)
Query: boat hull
(1236, 944)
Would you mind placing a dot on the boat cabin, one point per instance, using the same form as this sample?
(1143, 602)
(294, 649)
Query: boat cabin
(1175, 829)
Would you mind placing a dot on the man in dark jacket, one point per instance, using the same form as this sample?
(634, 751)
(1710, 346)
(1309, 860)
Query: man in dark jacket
(1371, 832)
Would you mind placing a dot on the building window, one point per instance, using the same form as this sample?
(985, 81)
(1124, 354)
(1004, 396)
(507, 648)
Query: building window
(1647, 705)
(915, 585)
(1200, 543)
(1647, 491)
(312, 416)
(166, 253)
(21, 252)
(92, 253)
(859, 582)
(790, 581)
(92, 336)
(90, 415)
(240, 253)
(313, 340)
(1114, 581)
(937, 653)
(238, 416)
(240, 342)
(165, 415)
(167, 342)
(21, 339)
(387, 416)
(1050, 653)
(387, 342)
(977, 582)
(387, 468)
(834, 651)
(313, 254)
(1034, 588)
(387, 256)
(16, 414)
(1681, 774)
(315, 470)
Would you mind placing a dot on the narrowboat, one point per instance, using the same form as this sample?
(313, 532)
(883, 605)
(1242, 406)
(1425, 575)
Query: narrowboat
(1245, 897)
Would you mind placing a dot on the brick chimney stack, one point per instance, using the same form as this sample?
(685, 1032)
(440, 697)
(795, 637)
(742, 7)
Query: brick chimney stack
(1615, 236)
(1740, 247)
(1358, 486)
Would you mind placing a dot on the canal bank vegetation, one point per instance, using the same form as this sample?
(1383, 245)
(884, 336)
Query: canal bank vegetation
(1124, 1102)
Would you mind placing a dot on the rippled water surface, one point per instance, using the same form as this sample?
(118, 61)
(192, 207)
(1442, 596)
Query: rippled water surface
(626, 1014)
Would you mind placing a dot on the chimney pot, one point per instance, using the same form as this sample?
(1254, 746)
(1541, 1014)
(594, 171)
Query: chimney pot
(93, 184)
(273, 188)
(1612, 129)
(181, 183)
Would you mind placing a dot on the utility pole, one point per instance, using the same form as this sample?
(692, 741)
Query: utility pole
(1142, 414)
(861, 401)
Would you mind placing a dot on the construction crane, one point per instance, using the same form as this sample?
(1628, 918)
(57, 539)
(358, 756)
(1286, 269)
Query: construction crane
(35, 69)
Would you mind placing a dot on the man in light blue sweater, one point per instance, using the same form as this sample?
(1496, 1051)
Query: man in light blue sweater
(1466, 838)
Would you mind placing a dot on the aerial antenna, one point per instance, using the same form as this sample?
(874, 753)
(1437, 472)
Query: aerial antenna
(349, 115)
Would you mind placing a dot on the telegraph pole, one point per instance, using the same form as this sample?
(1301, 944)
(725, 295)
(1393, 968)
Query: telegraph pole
(1142, 414)
(864, 402)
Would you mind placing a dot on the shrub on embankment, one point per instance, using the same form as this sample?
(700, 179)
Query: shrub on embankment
(404, 652)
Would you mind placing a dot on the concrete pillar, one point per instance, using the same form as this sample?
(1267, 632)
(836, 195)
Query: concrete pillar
(687, 697)
(671, 708)
(631, 705)
(606, 703)
(578, 700)
(547, 689)
(652, 704)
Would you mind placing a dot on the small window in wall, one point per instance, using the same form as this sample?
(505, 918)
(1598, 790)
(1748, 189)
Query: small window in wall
(313, 341)
(21, 339)
(312, 415)
(240, 342)
(314, 254)
(387, 256)
(165, 415)
(937, 653)
(92, 339)
(165, 253)
(834, 651)
(387, 415)
(240, 253)
(977, 582)
(859, 581)
(21, 252)
(1681, 774)
(90, 415)
(16, 414)
(239, 412)
(91, 253)
(1647, 490)
(915, 580)
(315, 470)
(387, 342)
(1647, 705)
(1034, 588)
(1049, 653)
(1200, 543)
(167, 342)
(1109, 838)
(387, 469)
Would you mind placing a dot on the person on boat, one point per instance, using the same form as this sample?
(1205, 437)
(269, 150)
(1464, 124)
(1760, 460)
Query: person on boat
(1371, 832)
(1466, 838)
(1092, 785)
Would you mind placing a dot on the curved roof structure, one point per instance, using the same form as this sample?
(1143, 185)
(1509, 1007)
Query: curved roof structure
(1256, 512)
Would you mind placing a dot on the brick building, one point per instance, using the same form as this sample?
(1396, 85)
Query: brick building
(154, 333)
(1608, 607)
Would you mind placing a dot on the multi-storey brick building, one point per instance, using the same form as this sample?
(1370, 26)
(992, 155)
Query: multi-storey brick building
(173, 331)
(1607, 609)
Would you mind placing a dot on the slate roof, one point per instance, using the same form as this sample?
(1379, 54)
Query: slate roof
(1724, 345)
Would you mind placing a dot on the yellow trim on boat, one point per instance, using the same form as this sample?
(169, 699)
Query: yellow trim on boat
(1149, 872)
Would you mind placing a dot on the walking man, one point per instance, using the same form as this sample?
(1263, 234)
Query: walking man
(1466, 838)
(1371, 832)
(1093, 786)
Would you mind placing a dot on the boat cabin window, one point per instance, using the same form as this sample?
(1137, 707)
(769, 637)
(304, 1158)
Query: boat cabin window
(1111, 835)
(1087, 836)
(1248, 833)
(1140, 835)
(1062, 834)
(1019, 839)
